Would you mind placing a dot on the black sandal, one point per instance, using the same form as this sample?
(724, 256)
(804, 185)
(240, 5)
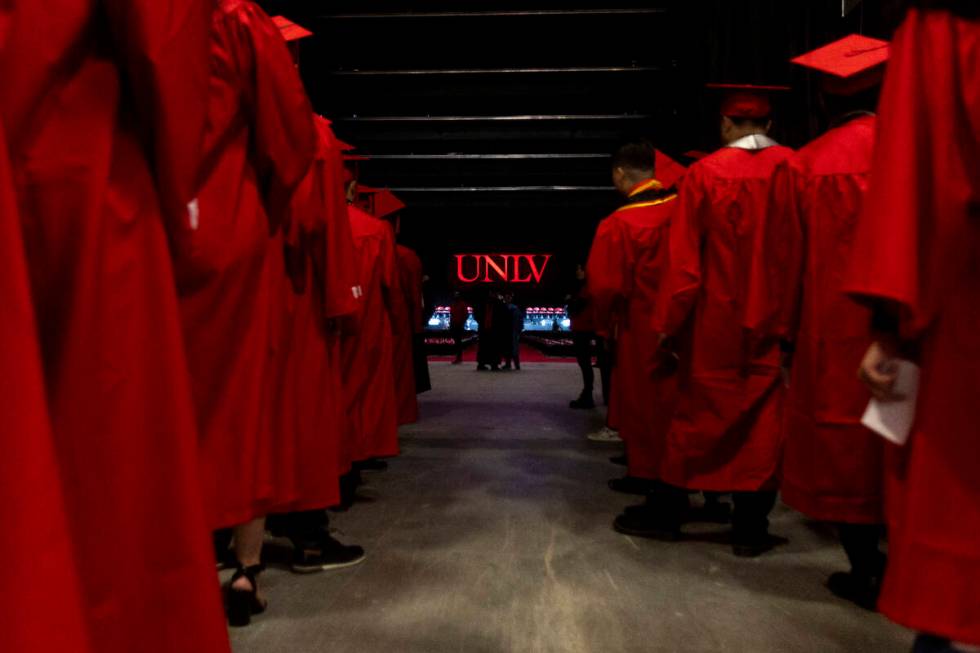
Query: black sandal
(240, 605)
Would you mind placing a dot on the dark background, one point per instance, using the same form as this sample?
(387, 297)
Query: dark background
(494, 120)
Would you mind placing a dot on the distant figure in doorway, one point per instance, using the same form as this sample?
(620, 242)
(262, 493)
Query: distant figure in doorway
(513, 345)
(459, 313)
(489, 317)
(583, 334)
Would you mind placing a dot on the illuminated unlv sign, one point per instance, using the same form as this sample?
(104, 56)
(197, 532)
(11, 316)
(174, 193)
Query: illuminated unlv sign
(501, 268)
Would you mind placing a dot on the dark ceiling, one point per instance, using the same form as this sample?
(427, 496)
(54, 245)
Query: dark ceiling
(494, 120)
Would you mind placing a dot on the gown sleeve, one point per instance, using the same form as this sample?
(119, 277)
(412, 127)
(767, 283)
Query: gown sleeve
(284, 133)
(607, 276)
(164, 48)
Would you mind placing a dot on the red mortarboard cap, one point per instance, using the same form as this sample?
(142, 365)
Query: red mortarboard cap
(348, 152)
(290, 30)
(850, 65)
(747, 100)
(385, 203)
(667, 171)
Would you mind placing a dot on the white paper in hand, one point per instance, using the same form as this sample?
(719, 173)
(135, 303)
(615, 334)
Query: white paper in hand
(893, 420)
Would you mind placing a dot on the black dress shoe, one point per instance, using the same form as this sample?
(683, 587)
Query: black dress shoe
(620, 460)
(640, 521)
(712, 512)
(582, 403)
(632, 485)
(858, 589)
(752, 546)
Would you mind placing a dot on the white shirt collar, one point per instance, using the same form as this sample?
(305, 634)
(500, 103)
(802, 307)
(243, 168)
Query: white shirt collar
(753, 142)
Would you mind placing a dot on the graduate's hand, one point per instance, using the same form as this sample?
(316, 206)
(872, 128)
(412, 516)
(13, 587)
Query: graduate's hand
(667, 354)
(879, 371)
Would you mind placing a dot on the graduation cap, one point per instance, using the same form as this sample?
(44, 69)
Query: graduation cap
(386, 203)
(351, 161)
(848, 66)
(290, 30)
(379, 202)
(749, 101)
(667, 171)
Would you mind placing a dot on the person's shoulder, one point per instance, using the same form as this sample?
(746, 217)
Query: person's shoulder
(844, 149)
(708, 167)
(608, 225)
(780, 152)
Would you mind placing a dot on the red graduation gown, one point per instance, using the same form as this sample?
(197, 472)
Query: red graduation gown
(369, 380)
(310, 421)
(917, 245)
(832, 465)
(102, 287)
(36, 618)
(410, 281)
(259, 144)
(335, 270)
(725, 434)
(623, 275)
(311, 403)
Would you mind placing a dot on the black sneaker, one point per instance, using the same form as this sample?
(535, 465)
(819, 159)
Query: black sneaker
(641, 521)
(858, 589)
(326, 554)
(632, 485)
(482, 368)
(371, 465)
(582, 403)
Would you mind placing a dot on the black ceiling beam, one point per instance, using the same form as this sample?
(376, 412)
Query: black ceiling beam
(496, 14)
(481, 157)
(495, 71)
(527, 118)
(504, 189)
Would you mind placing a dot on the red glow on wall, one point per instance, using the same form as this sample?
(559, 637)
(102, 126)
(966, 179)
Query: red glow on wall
(501, 268)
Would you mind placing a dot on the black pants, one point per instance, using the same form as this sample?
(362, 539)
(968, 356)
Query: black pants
(303, 528)
(860, 542)
(488, 351)
(605, 363)
(582, 343)
(457, 333)
(515, 353)
(750, 514)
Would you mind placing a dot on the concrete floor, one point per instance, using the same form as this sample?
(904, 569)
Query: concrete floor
(492, 533)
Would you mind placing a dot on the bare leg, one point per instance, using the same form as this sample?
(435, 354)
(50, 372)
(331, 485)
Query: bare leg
(248, 548)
